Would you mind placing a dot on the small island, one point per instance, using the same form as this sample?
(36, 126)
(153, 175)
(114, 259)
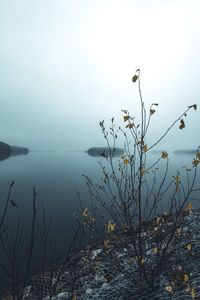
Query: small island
(7, 150)
(105, 151)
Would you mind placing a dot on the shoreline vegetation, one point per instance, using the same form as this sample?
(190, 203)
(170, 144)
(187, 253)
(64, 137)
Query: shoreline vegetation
(107, 271)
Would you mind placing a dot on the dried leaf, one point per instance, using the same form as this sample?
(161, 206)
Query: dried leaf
(126, 118)
(111, 226)
(198, 155)
(188, 207)
(141, 260)
(177, 178)
(155, 250)
(164, 154)
(134, 79)
(126, 161)
(193, 293)
(182, 124)
(74, 296)
(106, 243)
(187, 289)
(194, 106)
(145, 148)
(169, 288)
(158, 220)
(85, 213)
(189, 247)
(195, 162)
(185, 278)
(130, 125)
(152, 111)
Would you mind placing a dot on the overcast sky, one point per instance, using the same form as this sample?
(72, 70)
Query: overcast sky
(67, 64)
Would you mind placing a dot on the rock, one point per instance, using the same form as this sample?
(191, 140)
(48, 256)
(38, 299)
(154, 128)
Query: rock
(60, 296)
(88, 291)
(95, 253)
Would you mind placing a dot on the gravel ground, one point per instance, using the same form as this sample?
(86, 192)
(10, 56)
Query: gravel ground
(109, 272)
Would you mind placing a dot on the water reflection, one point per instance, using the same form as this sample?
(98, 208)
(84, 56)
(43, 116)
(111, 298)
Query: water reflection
(57, 176)
(7, 151)
(105, 152)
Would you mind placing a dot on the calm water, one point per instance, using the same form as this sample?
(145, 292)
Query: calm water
(56, 177)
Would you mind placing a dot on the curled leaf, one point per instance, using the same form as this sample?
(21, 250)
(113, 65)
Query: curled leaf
(152, 111)
(189, 247)
(182, 124)
(130, 125)
(164, 154)
(195, 162)
(194, 106)
(135, 77)
(145, 148)
(158, 220)
(126, 118)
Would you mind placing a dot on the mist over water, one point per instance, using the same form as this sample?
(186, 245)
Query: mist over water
(67, 65)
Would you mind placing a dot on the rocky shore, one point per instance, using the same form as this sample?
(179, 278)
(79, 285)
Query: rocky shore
(110, 273)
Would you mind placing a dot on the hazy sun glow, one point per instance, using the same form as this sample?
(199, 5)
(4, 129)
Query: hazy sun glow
(68, 63)
(120, 37)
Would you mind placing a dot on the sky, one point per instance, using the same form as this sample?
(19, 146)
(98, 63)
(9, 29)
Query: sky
(65, 65)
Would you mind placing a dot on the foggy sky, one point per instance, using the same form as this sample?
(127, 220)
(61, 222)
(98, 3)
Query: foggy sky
(66, 65)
